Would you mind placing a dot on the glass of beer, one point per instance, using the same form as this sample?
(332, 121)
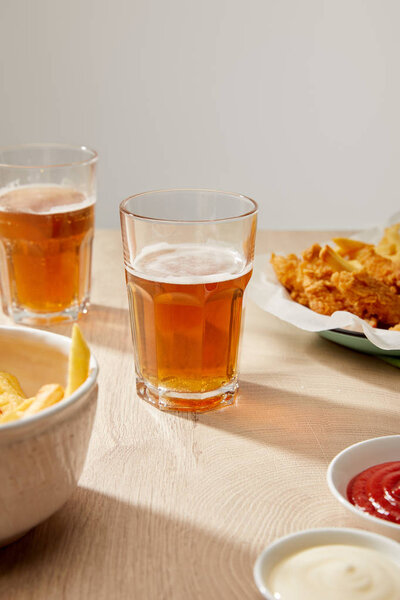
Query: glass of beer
(47, 198)
(188, 258)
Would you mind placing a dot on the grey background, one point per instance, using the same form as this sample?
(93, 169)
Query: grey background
(295, 103)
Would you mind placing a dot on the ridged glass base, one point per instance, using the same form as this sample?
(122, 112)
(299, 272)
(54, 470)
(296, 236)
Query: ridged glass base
(164, 399)
(28, 317)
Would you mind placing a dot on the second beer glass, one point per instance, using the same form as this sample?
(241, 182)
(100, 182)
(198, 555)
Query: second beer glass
(188, 259)
(47, 199)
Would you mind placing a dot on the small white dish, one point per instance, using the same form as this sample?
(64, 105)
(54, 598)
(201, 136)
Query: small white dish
(42, 456)
(296, 542)
(351, 461)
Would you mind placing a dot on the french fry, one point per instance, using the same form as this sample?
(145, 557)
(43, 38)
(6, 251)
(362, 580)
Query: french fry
(335, 261)
(356, 264)
(10, 382)
(13, 403)
(78, 364)
(11, 394)
(389, 246)
(48, 395)
(9, 399)
(17, 412)
(348, 247)
(11, 415)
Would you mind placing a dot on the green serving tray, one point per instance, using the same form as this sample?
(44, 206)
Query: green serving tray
(360, 343)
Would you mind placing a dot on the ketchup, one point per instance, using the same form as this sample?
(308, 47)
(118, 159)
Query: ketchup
(377, 491)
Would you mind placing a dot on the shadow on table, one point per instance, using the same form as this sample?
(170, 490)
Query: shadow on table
(105, 326)
(354, 364)
(303, 424)
(98, 547)
(111, 328)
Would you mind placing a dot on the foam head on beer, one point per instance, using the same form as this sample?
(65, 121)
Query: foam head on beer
(42, 199)
(188, 263)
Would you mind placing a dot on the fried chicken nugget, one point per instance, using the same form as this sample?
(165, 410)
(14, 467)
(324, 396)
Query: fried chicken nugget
(326, 282)
(367, 284)
(322, 295)
(309, 280)
(368, 297)
(287, 271)
(384, 269)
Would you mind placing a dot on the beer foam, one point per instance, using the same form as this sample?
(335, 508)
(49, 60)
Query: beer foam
(44, 199)
(188, 263)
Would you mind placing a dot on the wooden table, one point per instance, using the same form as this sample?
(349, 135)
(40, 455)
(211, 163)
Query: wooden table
(179, 506)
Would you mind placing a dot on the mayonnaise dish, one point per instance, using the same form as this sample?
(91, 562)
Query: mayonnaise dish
(333, 564)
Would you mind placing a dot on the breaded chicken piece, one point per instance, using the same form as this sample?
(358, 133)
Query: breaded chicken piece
(384, 269)
(287, 271)
(324, 298)
(309, 280)
(312, 268)
(322, 295)
(325, 282)
(368, 297)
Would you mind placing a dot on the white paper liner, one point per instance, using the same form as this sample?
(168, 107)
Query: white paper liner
(266, 291)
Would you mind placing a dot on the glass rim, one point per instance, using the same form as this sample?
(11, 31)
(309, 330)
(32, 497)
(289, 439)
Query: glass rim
(49, 145)
(125, 211)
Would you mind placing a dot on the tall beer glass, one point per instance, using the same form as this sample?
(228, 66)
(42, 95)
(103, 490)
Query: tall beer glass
(47, 198)
(188, 258)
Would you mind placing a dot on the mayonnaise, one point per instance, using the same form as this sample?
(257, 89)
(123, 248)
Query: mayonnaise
(336, 572)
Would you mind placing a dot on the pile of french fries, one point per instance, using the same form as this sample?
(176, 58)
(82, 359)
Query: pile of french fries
(15, 405)
(388, 247)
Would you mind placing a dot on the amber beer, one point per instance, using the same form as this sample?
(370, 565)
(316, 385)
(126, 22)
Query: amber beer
(46, 235)
(186, 309)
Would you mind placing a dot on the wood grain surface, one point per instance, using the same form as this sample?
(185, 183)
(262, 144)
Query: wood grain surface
(179, 506)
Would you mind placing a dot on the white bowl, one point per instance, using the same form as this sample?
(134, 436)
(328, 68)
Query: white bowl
(296, 542)
(351, 461)
(42, 456)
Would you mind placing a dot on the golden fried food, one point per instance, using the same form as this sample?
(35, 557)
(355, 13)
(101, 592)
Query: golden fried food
(309, 280)
(10, 392)
(390, 243)
(356, 277)
(369, 297)
(377, 265)
(49, 394)
(287, 270)
(78, 363)
(348, 247)
(13, 403)
(337, 262)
